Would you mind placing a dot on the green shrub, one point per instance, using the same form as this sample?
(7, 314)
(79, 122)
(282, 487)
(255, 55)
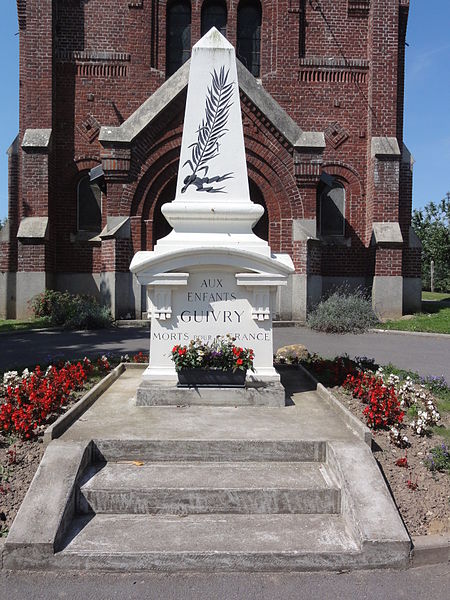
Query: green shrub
(438, 459)
(70, 311)
(344, 311)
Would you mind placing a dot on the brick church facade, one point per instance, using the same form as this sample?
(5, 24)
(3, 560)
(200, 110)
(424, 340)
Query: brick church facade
(102, 97)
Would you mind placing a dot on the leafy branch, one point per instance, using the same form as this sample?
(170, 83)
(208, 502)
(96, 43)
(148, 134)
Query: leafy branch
(213, 125)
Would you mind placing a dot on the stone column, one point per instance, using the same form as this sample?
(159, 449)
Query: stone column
(34, 260)
(307, 280)
(387, 290)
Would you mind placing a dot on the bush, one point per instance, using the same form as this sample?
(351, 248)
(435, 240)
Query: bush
(438, 459)
(70, 311)
(343, 312)
(383, 407)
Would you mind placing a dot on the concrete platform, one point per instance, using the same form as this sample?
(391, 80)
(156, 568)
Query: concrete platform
(210, 488)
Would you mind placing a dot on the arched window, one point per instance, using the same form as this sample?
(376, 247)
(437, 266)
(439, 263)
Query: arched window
(214, 14)
(178, 35)
(249, 35)
(331, 205)
(89, 204)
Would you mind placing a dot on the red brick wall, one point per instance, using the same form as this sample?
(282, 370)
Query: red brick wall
(87, 64)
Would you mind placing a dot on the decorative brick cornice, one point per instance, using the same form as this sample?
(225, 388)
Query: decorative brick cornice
(116, 163)
(22, 14)
(359, 8)
(308, 166)
(91, 56)
(93, 63)
(335, 70)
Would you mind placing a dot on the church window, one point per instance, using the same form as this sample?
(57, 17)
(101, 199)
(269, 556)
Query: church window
(178, 35)
(249, 21)
(89, 202)
(214, 14)
(331, 212)
(302, 28)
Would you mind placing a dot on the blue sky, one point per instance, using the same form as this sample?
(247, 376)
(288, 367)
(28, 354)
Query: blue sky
(427, 107)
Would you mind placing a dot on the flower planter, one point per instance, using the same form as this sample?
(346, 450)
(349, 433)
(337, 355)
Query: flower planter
(211, 378)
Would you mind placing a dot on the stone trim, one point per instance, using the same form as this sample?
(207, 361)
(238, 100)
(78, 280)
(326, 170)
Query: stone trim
(148, 111)
(13, 150)
(386, 233)
(311, 139)
(33, 228)
(116, 228)
(414, 241)
(407, 157)
(37, 139)
(5, 233)
(268, 105)
(385, 147)
(175, 85)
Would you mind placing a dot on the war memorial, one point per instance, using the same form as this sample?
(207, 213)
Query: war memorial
(143, 475)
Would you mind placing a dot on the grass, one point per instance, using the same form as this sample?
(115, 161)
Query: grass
(434, 318)
(443, 432)
(22, 325)
(439, 296)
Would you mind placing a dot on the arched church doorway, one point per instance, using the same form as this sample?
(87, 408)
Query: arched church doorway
(261, 229)
(161, 227)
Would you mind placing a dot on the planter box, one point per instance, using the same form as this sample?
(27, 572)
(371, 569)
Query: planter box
(211, 378)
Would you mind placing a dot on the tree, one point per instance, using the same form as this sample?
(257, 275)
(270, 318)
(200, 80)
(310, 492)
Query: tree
(432, 225)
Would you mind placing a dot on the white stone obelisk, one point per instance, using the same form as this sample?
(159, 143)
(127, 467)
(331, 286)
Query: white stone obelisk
(212, 194)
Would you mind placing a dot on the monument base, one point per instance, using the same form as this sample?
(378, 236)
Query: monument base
(166, 393)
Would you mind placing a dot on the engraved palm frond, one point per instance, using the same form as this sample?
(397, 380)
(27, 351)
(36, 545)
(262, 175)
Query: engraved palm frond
(213, 125)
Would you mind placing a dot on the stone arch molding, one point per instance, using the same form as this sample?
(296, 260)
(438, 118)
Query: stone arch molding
(117, 141)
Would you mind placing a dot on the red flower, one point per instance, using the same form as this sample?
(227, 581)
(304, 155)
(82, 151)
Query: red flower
(239, 361)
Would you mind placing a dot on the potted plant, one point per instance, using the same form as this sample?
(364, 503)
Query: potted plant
(219, 364)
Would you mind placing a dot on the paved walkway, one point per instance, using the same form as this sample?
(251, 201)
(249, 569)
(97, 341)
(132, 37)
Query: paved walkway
(414, 584)
(428, 355)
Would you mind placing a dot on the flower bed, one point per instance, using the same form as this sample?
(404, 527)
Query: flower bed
(29, 403)
(220, 354)
(410, 433)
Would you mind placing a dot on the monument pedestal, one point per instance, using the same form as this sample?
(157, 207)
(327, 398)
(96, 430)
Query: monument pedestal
(166, 393)
(211, 276)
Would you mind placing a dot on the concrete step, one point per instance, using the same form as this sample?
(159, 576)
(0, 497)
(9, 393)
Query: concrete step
(198, 450)
(209, 542)
(210, 487)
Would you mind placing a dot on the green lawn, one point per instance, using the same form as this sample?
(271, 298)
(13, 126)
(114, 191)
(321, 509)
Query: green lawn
(436, 296)
(434, 318)
(22, 325)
